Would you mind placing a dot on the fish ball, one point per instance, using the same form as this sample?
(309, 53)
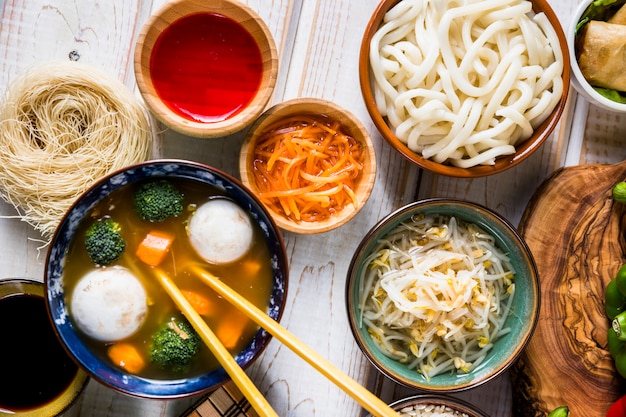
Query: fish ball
(109, 304)
(220, 231)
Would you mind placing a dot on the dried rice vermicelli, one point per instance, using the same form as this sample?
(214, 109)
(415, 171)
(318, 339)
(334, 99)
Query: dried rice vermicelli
(64, 125)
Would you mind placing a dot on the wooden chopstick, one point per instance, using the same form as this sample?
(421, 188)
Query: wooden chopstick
(367, 399)
(239, 377)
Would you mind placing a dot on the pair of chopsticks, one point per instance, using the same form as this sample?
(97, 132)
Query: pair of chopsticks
(368, 400)
(230, 365)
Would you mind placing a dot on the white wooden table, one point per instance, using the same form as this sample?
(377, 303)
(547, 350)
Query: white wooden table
(318, 42)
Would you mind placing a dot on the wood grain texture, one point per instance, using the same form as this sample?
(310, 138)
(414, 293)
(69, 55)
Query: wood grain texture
(575, 232)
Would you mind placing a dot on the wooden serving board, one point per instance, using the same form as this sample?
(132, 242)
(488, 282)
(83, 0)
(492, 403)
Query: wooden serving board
(576, 233)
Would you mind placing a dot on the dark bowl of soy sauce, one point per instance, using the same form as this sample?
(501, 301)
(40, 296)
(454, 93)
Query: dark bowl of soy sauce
(38, 377)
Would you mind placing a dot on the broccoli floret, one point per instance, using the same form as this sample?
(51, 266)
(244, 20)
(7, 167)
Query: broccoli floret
(158, 200)
(104, 242)
(174, 345)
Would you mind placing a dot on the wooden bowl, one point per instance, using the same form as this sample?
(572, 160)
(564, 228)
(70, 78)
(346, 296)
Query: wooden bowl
(523, 150)
(171, 78)
(350, 125)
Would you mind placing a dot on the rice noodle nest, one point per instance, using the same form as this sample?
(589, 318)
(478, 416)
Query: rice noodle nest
(64, 125)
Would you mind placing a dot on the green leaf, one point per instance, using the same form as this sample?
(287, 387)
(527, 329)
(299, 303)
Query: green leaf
(599, 10)
(613, 95)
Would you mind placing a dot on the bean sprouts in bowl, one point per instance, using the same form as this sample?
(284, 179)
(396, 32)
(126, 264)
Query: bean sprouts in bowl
(442, 295)
(464, 89)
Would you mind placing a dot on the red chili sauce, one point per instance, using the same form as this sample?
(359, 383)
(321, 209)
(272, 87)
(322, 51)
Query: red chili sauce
(206, 67)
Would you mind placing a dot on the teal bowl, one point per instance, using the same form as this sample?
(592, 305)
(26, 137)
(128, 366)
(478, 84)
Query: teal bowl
(521, 320)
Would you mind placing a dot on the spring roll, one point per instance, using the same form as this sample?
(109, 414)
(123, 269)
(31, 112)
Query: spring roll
(602, 54)
(619, 18)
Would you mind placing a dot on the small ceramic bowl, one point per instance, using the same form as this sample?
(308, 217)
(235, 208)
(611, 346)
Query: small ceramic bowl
(415, 405)
(192, 81)
(329, 112)
(81, 348)
(524, 308)
(55, 388)
(581, 85)
(502, 163)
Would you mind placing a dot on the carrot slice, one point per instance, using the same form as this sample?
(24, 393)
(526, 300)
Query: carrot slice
(127, 357)
(230, 331)
(199, 302)
(154, 247)
(306, 168)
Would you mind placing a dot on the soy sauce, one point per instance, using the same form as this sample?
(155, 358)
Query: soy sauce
(34, 369)
(206, 67)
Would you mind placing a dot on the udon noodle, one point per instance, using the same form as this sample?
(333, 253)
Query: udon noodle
(463, 82)
(435, 294)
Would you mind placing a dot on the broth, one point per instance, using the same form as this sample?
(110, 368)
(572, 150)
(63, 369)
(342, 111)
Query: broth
(36, 369)
(251, 276)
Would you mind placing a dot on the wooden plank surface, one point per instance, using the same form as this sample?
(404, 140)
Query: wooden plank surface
(318, 43)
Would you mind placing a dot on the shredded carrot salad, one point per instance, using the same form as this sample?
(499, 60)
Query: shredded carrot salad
(307, 168)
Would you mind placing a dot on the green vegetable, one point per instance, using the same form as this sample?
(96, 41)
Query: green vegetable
(620, 362)
(158, 200)
(614, 95)
(615, 307)
(620, 280)
(619, 192)
(615, 345)
(599, 10)
(104, 242)
(614, 300)
(174, 345)
(619, 326)
(562, 411)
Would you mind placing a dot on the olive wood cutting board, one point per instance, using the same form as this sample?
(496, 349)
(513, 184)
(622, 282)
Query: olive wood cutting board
(576, 233)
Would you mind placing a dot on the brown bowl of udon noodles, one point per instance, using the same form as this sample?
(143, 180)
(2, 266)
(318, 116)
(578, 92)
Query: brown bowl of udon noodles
(464, 91)
(442, 295)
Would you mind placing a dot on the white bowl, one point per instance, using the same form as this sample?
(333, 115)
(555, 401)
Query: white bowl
(578, 80)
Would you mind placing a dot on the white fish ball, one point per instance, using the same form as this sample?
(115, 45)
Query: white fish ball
(109, 304)
(220, 231)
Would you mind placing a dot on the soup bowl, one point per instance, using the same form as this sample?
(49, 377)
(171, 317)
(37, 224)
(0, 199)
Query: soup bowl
(501, 350)
(434, 113)
(190, 51)
(76, 334)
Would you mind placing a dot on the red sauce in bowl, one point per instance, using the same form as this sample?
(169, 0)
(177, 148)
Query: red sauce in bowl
(206, 67)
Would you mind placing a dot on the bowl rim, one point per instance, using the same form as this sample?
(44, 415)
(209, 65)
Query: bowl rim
(579, 82)
(296, 106)
(455, 403)
(181, 124)
(500, 223)
(113, 377)
(503, 163)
